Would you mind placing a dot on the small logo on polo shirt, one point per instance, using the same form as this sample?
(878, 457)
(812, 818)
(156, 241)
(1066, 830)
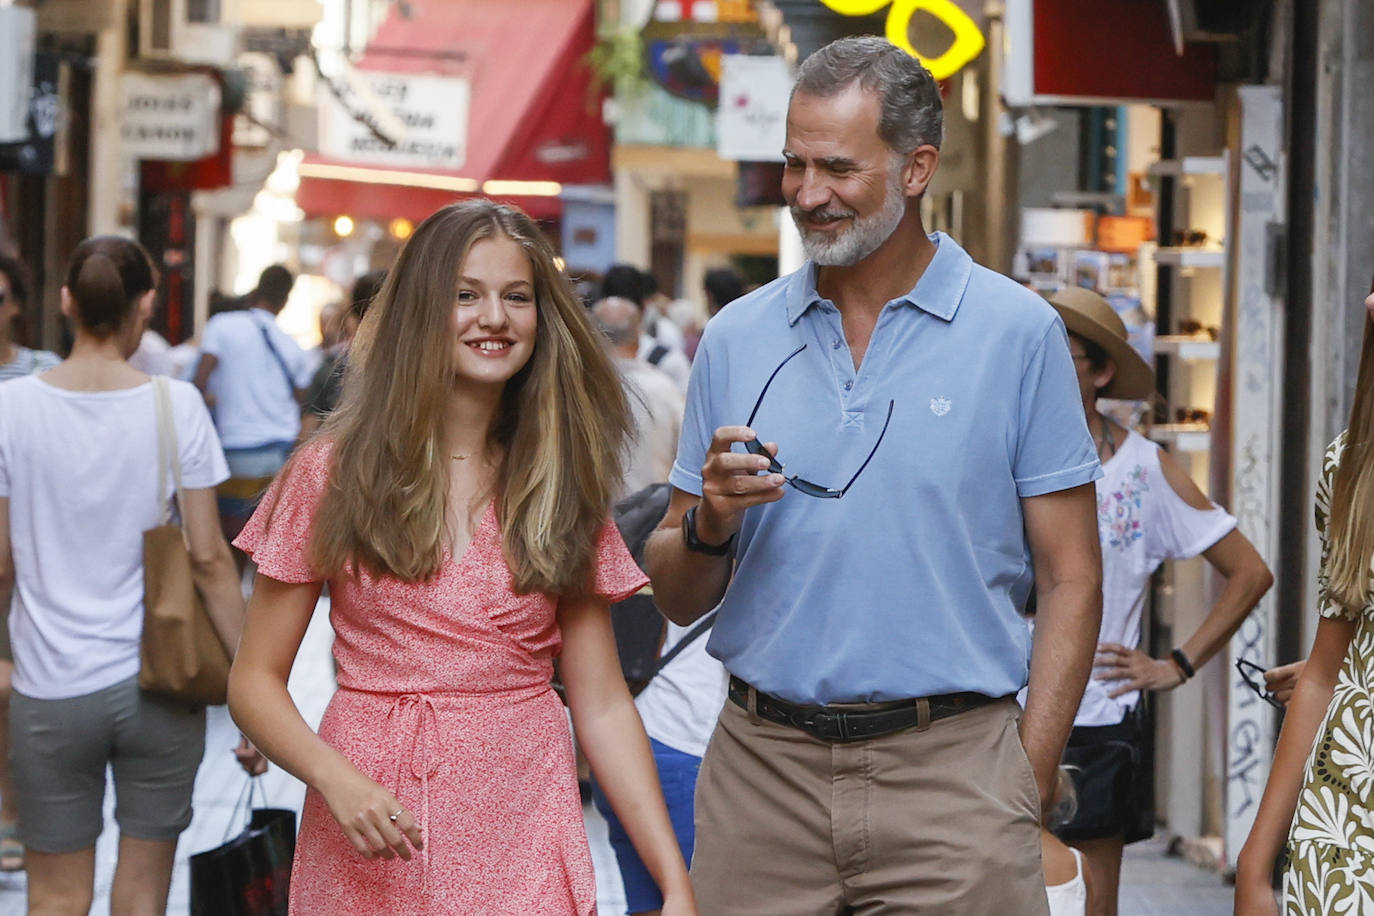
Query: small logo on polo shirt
(940, 406)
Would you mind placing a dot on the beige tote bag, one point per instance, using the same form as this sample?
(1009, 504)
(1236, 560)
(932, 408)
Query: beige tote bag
(181, 655)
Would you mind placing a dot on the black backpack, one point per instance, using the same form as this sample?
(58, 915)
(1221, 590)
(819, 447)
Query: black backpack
(638, 625)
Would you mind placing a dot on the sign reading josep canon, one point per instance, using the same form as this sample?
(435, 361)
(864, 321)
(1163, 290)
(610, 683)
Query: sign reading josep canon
(433, 110)
(170, 118)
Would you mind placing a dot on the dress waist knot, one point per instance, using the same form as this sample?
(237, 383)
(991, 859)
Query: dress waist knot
(413, 718)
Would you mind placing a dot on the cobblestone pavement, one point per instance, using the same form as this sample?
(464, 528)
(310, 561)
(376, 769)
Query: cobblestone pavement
(1153, 884)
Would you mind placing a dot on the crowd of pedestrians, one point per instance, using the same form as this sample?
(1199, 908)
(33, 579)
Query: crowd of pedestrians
(902, 554)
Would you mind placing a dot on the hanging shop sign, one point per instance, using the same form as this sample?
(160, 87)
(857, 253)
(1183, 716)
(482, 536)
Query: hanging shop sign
(433, 111)
(968, 38)
(42, 150)
(1100, 52)
(705, 11)
(170, 118)
(689, 67)
(752, 125)
(18, 26)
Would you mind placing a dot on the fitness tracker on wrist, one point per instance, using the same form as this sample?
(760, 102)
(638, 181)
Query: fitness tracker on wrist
(695, 544)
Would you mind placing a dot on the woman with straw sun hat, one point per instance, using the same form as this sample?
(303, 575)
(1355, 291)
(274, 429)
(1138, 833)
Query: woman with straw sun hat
(1148, 511)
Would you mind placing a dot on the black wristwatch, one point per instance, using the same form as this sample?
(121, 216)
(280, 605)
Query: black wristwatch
(695, 544)
(1185, 666)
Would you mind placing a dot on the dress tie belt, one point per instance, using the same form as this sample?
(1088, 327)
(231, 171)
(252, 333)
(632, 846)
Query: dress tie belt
(416, 716)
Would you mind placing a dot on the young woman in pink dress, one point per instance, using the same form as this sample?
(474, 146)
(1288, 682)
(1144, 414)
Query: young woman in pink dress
(457, 505)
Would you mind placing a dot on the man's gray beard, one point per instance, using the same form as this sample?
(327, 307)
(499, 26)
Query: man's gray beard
(863, 238)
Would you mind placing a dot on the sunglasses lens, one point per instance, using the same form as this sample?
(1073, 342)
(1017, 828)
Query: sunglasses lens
(755, 447)
(811, 489)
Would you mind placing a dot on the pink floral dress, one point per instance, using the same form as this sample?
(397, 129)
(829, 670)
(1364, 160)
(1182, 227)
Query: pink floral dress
(444, 698)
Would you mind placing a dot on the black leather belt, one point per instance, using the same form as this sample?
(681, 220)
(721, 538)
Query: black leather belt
(857, 722)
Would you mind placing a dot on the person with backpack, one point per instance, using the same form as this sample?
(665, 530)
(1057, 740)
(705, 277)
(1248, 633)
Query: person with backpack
(660, 341)
(253, 377)
(678, 688)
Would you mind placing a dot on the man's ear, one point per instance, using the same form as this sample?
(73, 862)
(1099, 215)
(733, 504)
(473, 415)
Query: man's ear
(919, 169)
(68, 304)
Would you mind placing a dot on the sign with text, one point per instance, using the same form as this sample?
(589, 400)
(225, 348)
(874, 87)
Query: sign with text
(171, 118)
(753, 108)
(17, 34)
(433, 110)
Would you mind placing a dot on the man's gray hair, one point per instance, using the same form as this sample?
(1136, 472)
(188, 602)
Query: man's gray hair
(616, 318)
(909, 99)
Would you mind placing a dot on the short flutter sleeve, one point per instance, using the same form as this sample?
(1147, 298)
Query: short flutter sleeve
(1327, 605)
(617, 576)
(277, 537)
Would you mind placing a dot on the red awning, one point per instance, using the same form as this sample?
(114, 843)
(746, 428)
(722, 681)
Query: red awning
(530, 118)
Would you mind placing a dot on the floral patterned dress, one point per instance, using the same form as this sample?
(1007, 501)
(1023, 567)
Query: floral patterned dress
(1331, 842)
(444, 698)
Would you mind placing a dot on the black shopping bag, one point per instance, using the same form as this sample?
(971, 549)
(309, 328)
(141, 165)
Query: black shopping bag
(250, 874)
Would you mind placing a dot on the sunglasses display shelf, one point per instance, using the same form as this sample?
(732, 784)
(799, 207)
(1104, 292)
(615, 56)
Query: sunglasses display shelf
(1191, 267)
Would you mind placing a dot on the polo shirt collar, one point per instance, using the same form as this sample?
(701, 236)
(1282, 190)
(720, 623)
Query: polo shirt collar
(939, 291)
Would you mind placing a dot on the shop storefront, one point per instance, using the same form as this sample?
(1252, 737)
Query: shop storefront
(452, 100)
(1152, 171)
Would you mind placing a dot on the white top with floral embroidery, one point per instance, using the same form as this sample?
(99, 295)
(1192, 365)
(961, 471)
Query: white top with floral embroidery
(1141, 522)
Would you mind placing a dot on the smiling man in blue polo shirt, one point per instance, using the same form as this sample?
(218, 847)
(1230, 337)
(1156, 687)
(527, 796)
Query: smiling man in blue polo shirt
(926, 459)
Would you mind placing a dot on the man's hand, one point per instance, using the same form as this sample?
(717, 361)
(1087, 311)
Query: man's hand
(731, 483)
(1131, 669)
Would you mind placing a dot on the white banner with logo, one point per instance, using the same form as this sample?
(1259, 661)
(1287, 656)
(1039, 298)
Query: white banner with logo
(17, 30)
(754, 91)
(433, 110)
(171, 118)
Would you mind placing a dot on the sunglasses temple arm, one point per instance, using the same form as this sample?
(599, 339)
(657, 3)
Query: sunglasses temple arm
(874, 450)
(759, 403)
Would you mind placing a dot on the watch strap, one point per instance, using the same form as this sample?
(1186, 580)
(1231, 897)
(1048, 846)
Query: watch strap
(1184, 664)
(695, 544)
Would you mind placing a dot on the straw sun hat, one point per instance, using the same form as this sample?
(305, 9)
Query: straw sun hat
(1088, 315)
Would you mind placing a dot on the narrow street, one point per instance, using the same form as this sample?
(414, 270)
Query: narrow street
(1153, 883)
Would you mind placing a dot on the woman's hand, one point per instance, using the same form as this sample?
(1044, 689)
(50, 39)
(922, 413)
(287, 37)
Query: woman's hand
(253, 761)
(1280, 681)
(1254, 893)
(682, 903)
(1132, 669)
(364, 811)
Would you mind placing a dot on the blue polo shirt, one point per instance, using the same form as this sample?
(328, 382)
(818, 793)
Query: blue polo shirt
(912, 583)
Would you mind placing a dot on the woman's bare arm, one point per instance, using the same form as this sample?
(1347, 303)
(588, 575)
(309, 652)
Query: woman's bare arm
(612, 738)
(212, 566)
(278, 615)
(1305, 713)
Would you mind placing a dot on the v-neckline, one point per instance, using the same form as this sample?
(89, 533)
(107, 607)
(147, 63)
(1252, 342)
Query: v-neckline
(458, 559)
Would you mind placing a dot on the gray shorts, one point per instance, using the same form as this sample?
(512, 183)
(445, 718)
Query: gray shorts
(59, 750)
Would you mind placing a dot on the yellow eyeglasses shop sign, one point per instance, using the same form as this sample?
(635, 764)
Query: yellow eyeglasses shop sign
(968, 38)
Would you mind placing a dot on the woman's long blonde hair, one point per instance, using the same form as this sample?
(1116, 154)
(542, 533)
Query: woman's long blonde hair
(560, 426)
(1351, 522)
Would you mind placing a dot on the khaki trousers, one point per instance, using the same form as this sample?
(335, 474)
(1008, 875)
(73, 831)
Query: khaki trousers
(941, 821)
